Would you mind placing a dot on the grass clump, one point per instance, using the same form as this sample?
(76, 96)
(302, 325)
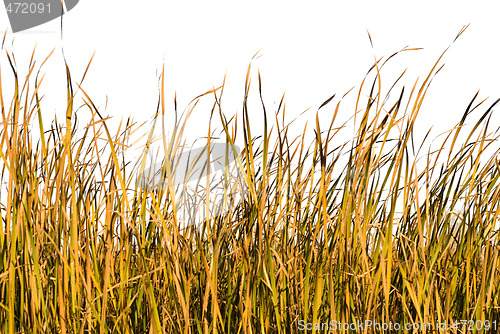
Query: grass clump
(328, 231)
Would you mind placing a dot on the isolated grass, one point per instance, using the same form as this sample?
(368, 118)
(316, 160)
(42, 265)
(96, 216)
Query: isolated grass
(325, 231)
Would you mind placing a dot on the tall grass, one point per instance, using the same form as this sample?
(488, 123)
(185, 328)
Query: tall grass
(324, 231)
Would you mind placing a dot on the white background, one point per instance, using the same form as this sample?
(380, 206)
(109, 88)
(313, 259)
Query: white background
(310, 50)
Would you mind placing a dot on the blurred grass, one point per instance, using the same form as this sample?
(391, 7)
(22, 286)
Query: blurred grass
(326, 231)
